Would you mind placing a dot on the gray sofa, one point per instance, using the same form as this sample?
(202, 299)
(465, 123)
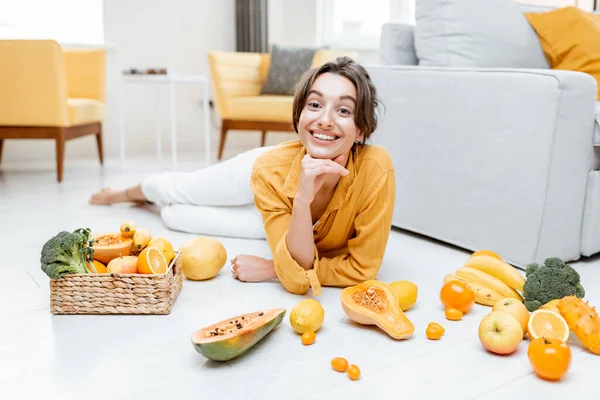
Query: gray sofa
(491, 150)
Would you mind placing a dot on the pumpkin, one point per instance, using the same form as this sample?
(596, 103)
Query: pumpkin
(375, 303)
(108, 246)
(233, 337)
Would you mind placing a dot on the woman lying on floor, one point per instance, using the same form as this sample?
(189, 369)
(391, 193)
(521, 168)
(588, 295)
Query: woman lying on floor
(324, 202)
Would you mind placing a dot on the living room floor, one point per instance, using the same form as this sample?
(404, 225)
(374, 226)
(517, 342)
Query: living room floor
(151, 357)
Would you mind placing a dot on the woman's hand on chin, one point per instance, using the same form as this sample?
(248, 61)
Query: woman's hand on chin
(248, 268)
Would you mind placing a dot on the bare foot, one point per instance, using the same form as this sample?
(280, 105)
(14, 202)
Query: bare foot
(108, 196)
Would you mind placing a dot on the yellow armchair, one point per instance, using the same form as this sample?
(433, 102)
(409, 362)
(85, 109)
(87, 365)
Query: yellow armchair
(237, 80)
(51, 93)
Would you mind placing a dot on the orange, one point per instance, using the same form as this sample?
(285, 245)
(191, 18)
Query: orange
(455, 294)
(100, 268)
(151, 261)
(547, 324)
(550, 358)
(164, 246)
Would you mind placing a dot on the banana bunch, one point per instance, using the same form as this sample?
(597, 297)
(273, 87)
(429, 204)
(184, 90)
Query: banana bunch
(490, 278)
(140, 236)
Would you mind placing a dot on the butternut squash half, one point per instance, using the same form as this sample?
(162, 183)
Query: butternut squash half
(374, 303)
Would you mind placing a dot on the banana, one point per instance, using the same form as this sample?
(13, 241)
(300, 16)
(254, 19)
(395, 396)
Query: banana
(483, 295)
(498, 269)
(477, 276)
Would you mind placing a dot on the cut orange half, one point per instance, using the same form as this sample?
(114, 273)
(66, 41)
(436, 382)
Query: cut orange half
(547, 324)
(151, 261)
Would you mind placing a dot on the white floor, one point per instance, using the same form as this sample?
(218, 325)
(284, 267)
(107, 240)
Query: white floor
(151, 357)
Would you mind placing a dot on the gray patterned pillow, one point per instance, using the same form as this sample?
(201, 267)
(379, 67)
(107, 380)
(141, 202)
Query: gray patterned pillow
(288, 64)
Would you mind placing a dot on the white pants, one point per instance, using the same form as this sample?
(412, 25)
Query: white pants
(216, 200)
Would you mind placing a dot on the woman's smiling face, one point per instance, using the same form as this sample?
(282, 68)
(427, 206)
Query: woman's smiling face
(326, 126)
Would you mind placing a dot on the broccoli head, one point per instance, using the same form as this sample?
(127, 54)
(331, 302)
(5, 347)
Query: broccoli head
(552, 280)
(66, 253)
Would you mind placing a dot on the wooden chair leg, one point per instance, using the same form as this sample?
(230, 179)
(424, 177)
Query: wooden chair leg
(60, 154)
(99, 142)
(1, 144)
(264, 138)
(224, 129)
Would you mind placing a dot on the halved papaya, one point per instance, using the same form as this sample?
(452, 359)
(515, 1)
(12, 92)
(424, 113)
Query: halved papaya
(375, 303)
(108, 246)
(233, 337)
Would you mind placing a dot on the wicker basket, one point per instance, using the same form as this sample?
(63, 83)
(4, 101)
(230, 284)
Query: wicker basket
(117, 294)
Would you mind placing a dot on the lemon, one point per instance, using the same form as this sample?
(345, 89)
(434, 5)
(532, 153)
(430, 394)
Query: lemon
(406, 292)
(307, 315)
(164, 246)
(151, 261)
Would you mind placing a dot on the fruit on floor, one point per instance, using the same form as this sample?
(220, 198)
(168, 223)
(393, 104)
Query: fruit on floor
(374, 303)
(164, 246)
(128, 229)
(406, 292)
(151, 261)
(486, 253)
(453, 314)
(202, 258)
(308, 338)
(307, 315)
(434, 331)
(515, 308)
(549, 358)
(499, 269)
(96, 267)
(140, 239)
(477, 276)
(500, 333)
(456, 294)
(108, 246)
(339, 364)
(233, 337)
(122, 265)
(353, 372)
(551, 306)
(483, 295)
(548, 324)
(583, 320)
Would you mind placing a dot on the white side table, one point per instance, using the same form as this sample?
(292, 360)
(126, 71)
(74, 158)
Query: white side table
(171, 81)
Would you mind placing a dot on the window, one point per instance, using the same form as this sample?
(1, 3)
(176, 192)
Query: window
(69, 22)
(356, 23)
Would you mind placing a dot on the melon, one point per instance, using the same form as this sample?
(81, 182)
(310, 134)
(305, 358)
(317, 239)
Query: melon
(202, 258)
(230, 338)
(108, 246)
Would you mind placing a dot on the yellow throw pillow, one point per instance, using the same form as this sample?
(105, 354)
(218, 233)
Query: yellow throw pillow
(570, 38)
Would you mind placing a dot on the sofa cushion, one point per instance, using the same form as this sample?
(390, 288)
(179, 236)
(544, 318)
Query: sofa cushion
(476, 33)
(570, 38)
(262, 108)
(288, 64)
(85, 111)
(397, 45)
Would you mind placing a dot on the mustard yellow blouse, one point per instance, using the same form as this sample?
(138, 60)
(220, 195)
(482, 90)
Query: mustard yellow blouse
(351, 236)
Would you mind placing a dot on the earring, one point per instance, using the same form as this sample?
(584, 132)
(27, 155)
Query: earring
(357, 141)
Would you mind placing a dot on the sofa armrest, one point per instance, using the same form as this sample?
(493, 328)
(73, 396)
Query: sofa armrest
(490, 158)
(33, 85)
(86, 73)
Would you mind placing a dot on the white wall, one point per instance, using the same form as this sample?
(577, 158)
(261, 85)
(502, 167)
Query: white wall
(176, 34)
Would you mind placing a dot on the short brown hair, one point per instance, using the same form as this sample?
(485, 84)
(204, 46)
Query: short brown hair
(365, 116)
